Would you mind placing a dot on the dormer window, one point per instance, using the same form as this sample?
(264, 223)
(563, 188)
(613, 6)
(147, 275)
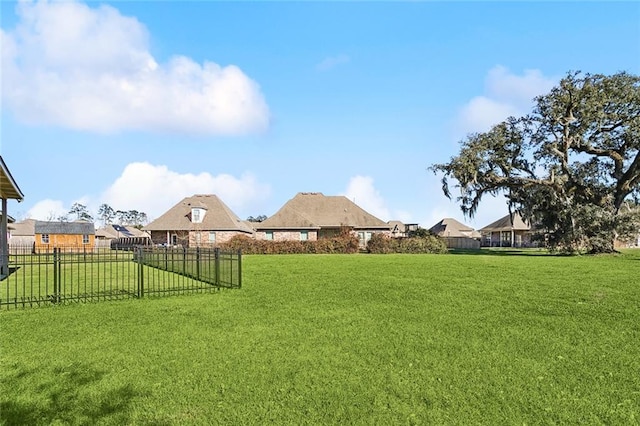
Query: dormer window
(197, 215)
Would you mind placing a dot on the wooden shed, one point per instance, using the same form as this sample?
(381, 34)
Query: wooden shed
(67, 236)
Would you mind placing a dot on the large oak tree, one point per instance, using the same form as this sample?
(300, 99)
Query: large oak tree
(572, 166)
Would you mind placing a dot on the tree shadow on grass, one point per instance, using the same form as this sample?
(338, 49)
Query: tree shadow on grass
(67, 395)
(533, 252)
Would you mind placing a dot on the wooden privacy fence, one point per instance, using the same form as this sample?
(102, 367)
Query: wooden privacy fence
(65, 275)
(461, 243)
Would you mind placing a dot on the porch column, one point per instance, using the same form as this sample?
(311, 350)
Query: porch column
(4, 240)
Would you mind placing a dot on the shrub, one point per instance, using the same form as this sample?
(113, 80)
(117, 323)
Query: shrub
(342, 243)
(381, 244)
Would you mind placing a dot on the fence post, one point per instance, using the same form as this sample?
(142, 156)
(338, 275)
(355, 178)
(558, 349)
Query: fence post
(166, 258)
(239, 268)
(184, 261)
(140, 273)
(56, 275)
(216, 257)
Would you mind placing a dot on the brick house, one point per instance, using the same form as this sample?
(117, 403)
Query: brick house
(313, 215)
(197, 221)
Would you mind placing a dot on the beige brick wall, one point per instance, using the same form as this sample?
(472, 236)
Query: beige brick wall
(221, 237)
(287, 235)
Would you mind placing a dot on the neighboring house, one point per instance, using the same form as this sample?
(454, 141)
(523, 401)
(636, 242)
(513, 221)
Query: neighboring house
(313, 215)
(120, 235)
(67, 236)
(9, 190)
(399, 229)
(197, 221)
(508, 231)
(9, 221)
(22, 238)
(456, 234)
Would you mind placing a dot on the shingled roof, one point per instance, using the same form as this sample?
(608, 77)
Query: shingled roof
(218, 216)
(507, 223)
(25, 228)
(449, 227)
(68, 228)
(314, 210)
(117, 231)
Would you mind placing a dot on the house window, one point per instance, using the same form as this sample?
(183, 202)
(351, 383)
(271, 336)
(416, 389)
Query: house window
(44, 238)
(198, 238)
(304, 235)
(85, 239)
(212, 236)
(269, 235)
(197, 215)
(174, 240)
(364, 238)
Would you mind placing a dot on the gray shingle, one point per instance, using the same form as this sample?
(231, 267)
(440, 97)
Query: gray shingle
(68, 228)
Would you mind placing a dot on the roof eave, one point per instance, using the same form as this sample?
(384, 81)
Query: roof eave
(13, 191)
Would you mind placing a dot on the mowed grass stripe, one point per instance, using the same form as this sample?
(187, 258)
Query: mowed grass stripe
(355, 339)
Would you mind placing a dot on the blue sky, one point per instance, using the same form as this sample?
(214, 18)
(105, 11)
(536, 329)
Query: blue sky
(140, 104)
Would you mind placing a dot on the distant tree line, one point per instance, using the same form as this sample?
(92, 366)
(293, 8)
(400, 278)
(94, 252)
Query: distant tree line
(106, 214)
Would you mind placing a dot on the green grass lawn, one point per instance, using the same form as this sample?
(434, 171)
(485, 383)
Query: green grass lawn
(495, 338)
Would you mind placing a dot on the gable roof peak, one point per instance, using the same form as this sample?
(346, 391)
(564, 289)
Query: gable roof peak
(219, 216)
(309, 210)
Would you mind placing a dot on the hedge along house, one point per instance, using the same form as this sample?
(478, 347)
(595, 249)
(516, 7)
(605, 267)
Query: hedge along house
(9, 190)
(77, 236)
(197, 221)
(508, 231)
(313, 215)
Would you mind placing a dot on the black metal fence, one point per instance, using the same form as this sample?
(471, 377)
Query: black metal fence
(212, 266)
(64, 275)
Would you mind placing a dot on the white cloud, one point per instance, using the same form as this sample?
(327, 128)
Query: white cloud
(332, 62)
(154, 189)
(361, 191)
(47, 210)
(502, 84)
(84, 68)
(506, 94)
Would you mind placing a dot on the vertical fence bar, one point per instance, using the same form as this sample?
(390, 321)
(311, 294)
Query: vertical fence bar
(198, 263)
(140, 273)
(56, 275)
(216, 259)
